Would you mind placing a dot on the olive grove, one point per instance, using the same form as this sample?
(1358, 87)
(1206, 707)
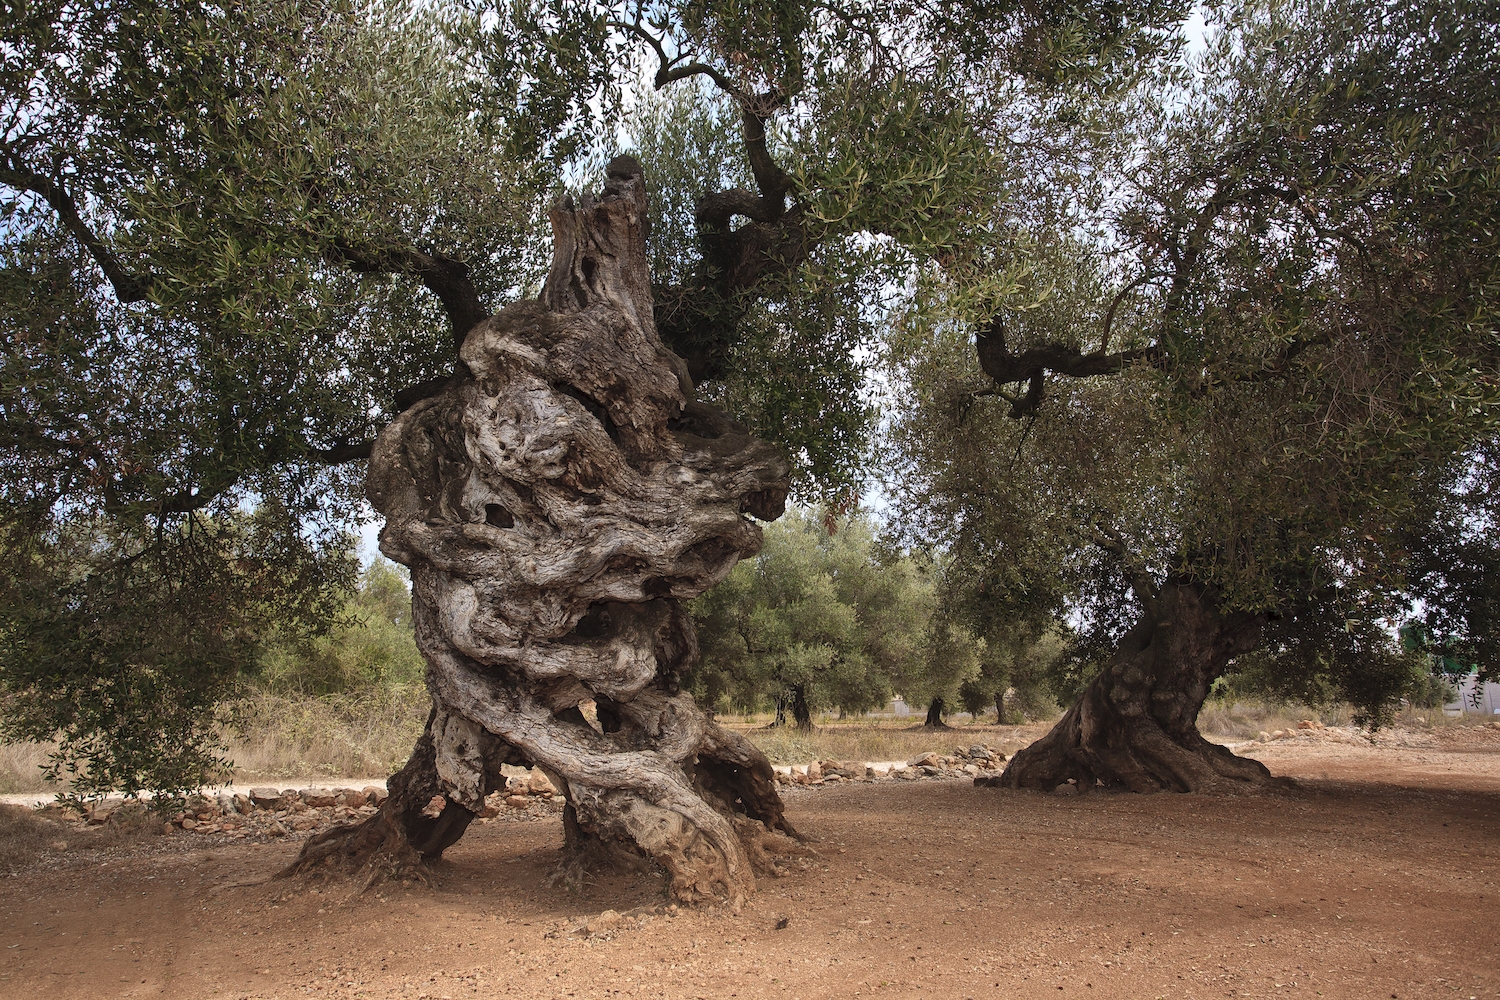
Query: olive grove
(253, 257)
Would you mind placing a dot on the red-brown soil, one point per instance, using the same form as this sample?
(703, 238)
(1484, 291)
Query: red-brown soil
(1375, 876)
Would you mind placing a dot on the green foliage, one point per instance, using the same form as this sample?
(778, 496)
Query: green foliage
(370, 646)
(121, 646)
(213, 219)
(1305, 269)
(815, 612)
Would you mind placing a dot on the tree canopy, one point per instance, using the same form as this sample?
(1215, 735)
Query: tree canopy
(815, 621)
(1228, 324)
(239, 240)
(1266, 366)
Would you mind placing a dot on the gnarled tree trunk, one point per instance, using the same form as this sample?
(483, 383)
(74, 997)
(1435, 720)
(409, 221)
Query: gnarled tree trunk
(1135, 725)
(555, 509)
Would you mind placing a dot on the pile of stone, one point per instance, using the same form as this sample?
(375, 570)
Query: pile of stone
(963, 762)
(1315, 730)
(826, 772)
(528, 794)
(264, 812)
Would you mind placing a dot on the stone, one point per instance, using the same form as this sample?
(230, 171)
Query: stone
(971, 769)
(319, 798)
(908, 774)
(539, 784)
(604, 921)
(266, 798)
(814, 772)
(188, 823)
(928, 759)
(1065, 789)
(854, 769)
(1263, 737)
(374, 794)
(517, 801)
(102, 812)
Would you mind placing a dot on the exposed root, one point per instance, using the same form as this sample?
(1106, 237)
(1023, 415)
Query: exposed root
(1135, 755)
(585, 852)
(770, 850)
(375, 849)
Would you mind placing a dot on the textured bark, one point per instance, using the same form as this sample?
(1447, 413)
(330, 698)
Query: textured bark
(1135, 725)
(555, 509)
(418, 821)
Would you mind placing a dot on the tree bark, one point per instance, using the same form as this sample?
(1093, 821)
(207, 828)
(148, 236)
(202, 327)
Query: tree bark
(780, 718)
(801, 711)
(1135, 725)
(418, 820)
(556, 507)
(934, 719)
(1000, 706)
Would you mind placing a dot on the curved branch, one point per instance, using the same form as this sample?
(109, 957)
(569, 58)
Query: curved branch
(1109, 315)
(670, 70)
(446, 277)
(341, 453)
(1145, 588)
(128, 287)
(1033, 364)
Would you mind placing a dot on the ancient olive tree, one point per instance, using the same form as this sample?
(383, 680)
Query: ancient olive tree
(241, 242)
(1237, 396)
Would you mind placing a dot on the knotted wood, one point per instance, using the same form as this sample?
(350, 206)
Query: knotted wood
(556, 509)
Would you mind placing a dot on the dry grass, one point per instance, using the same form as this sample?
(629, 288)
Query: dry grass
(21, 769)
(371, 734)
(24, 835)
(338, 736)
(869, 741)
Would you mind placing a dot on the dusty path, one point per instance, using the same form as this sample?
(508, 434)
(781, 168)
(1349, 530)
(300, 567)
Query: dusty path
(1376, 877)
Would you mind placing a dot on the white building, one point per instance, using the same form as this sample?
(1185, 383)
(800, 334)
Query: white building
(1487, 702)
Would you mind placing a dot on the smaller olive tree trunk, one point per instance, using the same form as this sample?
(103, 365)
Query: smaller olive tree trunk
(1135, 725)
(935, 710)
(795, 698)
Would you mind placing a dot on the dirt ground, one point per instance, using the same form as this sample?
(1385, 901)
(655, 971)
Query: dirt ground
(1375, 876)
